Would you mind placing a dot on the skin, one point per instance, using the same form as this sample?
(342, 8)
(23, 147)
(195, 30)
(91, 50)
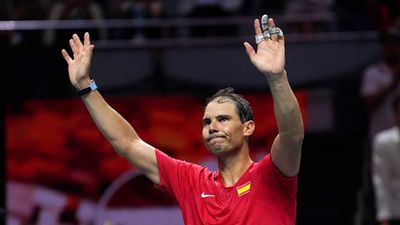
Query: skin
(231, 145)
(227, 137)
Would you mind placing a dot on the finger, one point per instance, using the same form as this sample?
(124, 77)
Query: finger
(279, 32)
(73, 47)
(249, 50)
(86, 39)
(77, 41)
(66, 56)
(272, 29)
(264, 26)
(264, 22)
(257, 28)
(281, 37)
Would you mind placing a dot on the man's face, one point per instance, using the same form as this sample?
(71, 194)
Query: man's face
(223, 132)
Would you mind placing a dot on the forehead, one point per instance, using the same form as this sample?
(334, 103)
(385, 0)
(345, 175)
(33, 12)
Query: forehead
(218, 107)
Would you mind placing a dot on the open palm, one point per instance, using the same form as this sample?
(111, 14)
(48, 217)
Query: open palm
(79, 65)
(270, 55)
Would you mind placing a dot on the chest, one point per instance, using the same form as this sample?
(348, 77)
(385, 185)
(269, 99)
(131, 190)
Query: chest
(212, 198)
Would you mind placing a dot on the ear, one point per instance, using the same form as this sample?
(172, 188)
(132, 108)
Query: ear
(249, 128)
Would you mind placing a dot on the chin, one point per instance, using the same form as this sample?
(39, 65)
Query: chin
(215, 150)
(218, 151)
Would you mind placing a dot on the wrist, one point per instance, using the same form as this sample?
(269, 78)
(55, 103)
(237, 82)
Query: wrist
(82, 84)
(87, 89)
(275, 77)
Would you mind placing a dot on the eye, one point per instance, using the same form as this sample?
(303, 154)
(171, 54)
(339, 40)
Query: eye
(206, 122)
(223, 119)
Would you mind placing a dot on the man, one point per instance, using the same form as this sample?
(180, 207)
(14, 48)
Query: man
(241, 191)
(380, 83)
(386, 171)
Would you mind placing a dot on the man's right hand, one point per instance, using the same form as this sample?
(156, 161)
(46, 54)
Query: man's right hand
(79, 65)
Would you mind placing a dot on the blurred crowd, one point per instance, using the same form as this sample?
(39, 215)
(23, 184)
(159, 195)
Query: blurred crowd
(355, 15)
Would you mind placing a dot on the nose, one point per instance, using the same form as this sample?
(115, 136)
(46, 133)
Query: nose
(213, 127)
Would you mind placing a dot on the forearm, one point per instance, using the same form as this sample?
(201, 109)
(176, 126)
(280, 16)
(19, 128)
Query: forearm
(116, 129)
(286, 107)
(112, 125)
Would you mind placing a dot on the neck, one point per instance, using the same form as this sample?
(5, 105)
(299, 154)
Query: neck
(232, 167)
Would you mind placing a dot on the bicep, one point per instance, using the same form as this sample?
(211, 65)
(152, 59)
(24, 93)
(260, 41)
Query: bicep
(286, 154)
(143, 157)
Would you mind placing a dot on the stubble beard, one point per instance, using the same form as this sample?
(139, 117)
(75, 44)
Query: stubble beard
(221, 150)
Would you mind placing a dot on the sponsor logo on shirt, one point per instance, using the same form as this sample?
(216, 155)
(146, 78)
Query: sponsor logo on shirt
(243, 189)
(204, 195)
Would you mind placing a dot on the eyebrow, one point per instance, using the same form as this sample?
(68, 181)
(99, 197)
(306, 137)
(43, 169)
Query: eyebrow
(223, 116)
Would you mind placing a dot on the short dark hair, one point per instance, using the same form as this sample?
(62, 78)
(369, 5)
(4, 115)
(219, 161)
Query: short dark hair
(242, 105)
(396, 104)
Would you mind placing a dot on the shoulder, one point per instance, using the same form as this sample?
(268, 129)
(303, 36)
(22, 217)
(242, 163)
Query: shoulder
(166, 162)
(269, 168)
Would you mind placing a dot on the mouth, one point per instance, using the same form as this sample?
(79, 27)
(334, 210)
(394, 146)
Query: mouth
(216, 138)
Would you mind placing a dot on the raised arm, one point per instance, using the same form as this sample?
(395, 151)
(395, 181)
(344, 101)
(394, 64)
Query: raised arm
(112, 125)
(270, 60)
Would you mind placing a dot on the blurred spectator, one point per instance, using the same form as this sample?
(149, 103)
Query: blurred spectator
(139, 10)
(305, 7)
(386, 171)
(380, 83)
(259, 7)
(4, 35)
(384, 13)
(26, 10)
(74, 10)
(353, 15)
(187, 7)
(212, 9)
(156, 11)
(128, 9)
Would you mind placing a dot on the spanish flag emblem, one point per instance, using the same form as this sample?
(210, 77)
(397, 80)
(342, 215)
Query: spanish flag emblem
(243, 189)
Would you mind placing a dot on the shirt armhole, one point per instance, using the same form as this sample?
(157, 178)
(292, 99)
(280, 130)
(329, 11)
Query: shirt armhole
(285, 185)
(176, 176)
(162, 158)
(276, 172)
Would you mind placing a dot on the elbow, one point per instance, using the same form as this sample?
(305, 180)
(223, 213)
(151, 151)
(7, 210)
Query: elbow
(124, 147)
(295, 136)
(297, 132)
(300, 133)
(293, 131)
